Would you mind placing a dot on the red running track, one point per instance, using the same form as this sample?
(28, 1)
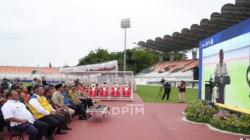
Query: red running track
(159, 122)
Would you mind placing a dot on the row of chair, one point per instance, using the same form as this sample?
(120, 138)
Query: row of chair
(115, 91)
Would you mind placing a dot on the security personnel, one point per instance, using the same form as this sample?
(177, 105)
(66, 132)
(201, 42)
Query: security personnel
(21, 119)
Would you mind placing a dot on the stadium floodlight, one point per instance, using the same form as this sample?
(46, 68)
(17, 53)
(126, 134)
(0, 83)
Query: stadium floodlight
(125, 23)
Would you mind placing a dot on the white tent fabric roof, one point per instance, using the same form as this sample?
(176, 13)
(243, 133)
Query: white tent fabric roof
(106, 66)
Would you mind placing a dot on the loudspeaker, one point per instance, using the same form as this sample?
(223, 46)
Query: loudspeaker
(196, 73)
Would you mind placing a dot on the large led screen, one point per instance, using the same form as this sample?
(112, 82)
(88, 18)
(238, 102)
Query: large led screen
(224, 63)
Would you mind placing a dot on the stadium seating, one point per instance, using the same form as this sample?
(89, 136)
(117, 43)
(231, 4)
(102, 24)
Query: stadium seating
(12, 72)
(28, 70)
(93, 90)
(126, 91)
(172, 66)
(115, 91)
(170, 70)
(104, 91)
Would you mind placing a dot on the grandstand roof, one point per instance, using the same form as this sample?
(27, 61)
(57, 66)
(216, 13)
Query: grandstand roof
(189, 38)
(27, 70)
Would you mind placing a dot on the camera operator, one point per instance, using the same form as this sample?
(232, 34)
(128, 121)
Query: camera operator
(162, 81)
(167, 90)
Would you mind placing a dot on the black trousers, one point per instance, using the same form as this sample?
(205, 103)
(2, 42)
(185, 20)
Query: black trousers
(53, 124)
(80, 109)
(2, 123)
(87, 102)
(35, 131)
(62, 121)
(166, 92)
(66, 115)
(221, 91)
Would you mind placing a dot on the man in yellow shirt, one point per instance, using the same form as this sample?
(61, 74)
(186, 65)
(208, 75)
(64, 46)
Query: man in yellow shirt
(78, 99)
(42, 110)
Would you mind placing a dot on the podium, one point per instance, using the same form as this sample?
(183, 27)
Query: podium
(225, 80)
(208, 91)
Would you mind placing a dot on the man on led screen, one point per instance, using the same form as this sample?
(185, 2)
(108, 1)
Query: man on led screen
(221, 78)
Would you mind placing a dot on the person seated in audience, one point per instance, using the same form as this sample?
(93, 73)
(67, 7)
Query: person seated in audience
(58, 99)
(80, 89)
(73, 94)
(59, 111)
(85, 90)
(30, 90)
(21, 119)
(3, 92)
(79, 98)
(23, 94)
(42, 110)
(67, 100)
(5, 84)
(2, 122)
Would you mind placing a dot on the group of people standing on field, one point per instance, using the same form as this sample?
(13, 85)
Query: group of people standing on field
(167, 90)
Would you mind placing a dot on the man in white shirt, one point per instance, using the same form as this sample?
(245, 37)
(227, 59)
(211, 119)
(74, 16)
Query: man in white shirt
(220, 73)
(21, 119)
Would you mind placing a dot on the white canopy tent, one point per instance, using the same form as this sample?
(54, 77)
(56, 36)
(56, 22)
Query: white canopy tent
(103, 73)
(106, 66)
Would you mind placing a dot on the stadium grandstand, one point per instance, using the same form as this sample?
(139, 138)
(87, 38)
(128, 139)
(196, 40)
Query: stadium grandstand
(174, 71)
(56, 74)
(27, 73)
(188, 40)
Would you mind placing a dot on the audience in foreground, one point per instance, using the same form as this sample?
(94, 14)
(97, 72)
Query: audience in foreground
(40, 110)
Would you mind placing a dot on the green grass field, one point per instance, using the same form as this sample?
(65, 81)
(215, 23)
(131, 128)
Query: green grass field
(26, 84)
(149, 94)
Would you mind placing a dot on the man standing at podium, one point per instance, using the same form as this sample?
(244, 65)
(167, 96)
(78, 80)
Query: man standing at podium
(220, 73)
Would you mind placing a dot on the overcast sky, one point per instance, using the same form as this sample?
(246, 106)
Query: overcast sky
(36, 32)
